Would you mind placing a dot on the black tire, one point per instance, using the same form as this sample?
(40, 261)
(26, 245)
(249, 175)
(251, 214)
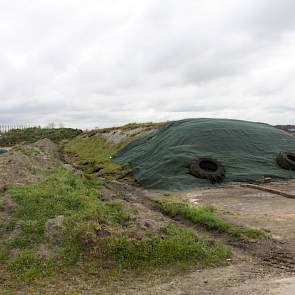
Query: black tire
(204, 167)
(286, 160)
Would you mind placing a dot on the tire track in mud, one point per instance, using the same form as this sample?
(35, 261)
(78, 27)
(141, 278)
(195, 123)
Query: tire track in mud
(280, 257)
(270, 253)
(280, 260)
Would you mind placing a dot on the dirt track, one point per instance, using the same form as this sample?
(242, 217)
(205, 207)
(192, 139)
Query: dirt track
(250, 207)
(258, 268)
(263, 267)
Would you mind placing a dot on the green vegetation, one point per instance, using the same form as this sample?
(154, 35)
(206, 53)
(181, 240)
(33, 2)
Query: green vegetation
(177, 245)
(91, 230)
(27, 265)
(207, 217)
(94, 155)
(61, 194)
(92, 152)
(147, 126)
(27, 150)
(31, 135)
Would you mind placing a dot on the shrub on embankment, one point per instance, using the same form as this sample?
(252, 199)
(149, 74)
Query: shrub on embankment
(30, 135)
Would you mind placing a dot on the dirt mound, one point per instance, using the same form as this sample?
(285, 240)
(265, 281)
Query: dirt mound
(27, 163)
(23, 164)
(121, 135)
(47, 146)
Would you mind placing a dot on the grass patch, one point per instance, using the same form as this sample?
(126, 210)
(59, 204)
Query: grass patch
(177, 245)
(130, 126)
(63, 193)
(30, 135)
(28, 151)
(27, 266)
(207, 217)
(93, 230)
(94, 154)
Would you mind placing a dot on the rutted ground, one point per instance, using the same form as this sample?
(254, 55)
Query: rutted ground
(55, 221)
(248, 271)
(256, 266)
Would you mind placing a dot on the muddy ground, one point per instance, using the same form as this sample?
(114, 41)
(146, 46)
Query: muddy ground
(257, 267)
(264, 265)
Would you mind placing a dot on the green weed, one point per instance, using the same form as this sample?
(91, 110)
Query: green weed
(94, 154)
(31, 135)
(27, 266)
(146, 126)
(176, 245)
(28, 151)
(63, 193)
(92, 230)
(207, 217)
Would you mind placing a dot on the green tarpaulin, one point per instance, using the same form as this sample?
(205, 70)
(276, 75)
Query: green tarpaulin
(248, 151)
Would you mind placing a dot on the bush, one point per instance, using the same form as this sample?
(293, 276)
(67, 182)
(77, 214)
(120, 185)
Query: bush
(31, 135)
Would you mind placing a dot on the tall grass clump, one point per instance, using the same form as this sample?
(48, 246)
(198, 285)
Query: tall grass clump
(177, 245)
(206, 216)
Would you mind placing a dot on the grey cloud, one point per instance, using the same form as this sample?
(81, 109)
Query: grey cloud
(99, 63)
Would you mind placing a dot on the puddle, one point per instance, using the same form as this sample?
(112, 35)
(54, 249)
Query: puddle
(256, 194)
(4, 150)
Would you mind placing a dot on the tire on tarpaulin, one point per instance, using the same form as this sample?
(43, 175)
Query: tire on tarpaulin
(207, 168)
(286, 160)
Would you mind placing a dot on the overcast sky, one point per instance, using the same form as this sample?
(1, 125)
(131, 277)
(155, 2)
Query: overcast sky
(88, 63)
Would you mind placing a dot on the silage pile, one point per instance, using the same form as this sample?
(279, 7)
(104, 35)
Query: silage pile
(248, 151)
